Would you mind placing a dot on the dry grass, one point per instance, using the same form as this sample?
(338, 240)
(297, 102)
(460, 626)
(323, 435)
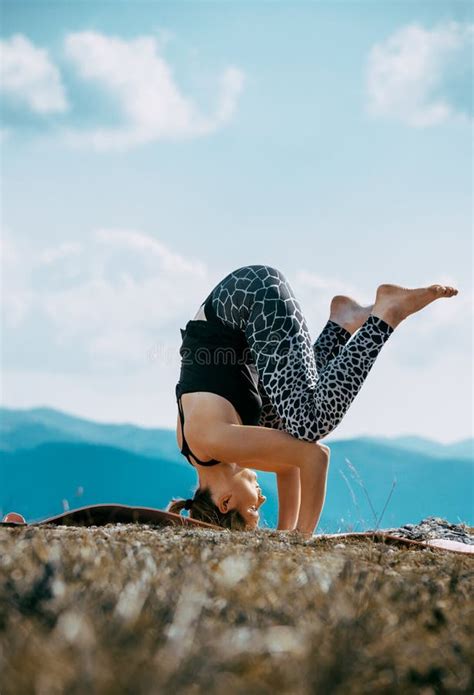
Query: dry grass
(137, 610)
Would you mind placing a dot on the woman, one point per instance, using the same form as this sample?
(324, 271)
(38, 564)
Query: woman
(254, 393)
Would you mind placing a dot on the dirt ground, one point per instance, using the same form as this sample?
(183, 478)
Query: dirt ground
(129, 609)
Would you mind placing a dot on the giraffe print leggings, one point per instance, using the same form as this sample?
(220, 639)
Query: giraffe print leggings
(306, 389)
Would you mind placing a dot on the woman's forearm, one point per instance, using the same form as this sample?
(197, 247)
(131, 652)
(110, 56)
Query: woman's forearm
(289, 497)
(313, 477)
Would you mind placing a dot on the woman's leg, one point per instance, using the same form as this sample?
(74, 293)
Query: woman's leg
(346, 316)
(259, 300)
(328, 345)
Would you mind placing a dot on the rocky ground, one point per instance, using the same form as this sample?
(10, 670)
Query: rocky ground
(433, 527)
(140, 610)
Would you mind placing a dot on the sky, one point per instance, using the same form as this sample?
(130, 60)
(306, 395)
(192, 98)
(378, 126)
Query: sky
(149, 148)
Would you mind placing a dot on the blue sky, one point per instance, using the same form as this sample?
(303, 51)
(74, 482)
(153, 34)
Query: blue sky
(149, 148)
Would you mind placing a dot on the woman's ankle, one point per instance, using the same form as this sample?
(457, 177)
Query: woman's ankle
(388, 314)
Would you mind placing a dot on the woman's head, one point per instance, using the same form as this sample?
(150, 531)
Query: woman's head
(229, 497)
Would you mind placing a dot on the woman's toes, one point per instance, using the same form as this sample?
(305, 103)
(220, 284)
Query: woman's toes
(445, 290)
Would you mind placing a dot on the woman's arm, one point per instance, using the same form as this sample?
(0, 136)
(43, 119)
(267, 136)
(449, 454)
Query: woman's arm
(213, 433)
(289, 497)
(313, 476)
(266, 449)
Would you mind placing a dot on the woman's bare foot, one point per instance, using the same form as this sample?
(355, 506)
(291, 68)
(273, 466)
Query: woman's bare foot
(394, 303)
(348, 313)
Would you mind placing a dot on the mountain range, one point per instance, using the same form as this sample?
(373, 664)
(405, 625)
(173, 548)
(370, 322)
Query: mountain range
(50, 461)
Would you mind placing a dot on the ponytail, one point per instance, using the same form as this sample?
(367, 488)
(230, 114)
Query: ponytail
(203, 508)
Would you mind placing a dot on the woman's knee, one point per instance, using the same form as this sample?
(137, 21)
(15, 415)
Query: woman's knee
(269, 275)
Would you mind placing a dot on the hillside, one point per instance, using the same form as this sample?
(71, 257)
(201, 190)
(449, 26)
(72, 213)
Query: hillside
(25, 429)
(462, 449)
(51, 460)
(131, 609)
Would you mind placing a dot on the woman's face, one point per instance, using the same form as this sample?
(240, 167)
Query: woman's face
(246, 496)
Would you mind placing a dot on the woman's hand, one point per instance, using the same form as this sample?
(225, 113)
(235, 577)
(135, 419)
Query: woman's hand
(289, 497)
(313, 477)
(301, 493)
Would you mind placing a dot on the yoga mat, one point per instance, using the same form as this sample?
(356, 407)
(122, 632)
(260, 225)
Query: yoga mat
(101, 514)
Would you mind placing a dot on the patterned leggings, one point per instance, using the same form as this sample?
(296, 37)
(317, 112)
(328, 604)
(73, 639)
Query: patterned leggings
(305, 389)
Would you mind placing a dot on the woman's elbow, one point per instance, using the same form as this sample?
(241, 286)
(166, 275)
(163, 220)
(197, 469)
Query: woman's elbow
(322, 454)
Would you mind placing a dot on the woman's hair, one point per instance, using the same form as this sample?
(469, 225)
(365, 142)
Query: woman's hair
(203, 508)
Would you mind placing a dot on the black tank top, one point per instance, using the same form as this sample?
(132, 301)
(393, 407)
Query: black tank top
(216, 358)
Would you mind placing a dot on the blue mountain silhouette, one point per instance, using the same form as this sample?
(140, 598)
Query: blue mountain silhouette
(51, 460)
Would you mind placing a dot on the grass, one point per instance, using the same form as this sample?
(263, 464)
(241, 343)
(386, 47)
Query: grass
(137, 610)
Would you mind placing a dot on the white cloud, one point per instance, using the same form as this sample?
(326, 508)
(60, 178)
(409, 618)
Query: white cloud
(142, 82)
(119, 295)
(16, 294)
(110, 299)
(51, 255)
(408, 75)
(92, 327)
(150, 248)
(28, 75)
